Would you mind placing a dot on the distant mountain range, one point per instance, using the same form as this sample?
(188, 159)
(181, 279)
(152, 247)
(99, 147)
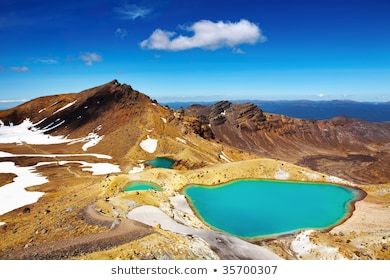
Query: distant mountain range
(9, 104)
(314, 110)
(304, 109)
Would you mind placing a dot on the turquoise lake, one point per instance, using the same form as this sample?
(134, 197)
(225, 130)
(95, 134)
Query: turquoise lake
(161, 162)
(141, 186)
(258, 208)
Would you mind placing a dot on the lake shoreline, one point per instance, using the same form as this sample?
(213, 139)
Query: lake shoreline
(358, 193)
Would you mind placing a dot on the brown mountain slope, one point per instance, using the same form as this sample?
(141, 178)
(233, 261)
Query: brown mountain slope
(123, 117)
(353, 149)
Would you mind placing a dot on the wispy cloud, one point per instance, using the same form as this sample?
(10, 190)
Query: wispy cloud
(19, 69)
(238, 51)
(131, 11)
(207, 35)
(90, 58)
(47, 60)
(121, 33)
(13, 100)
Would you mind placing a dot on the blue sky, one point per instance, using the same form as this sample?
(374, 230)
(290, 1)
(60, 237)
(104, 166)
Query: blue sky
(198, 50)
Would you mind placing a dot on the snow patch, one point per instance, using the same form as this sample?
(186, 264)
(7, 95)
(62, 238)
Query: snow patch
(26, 132)
(281, 175)
(149, 145)
(223, 156)
(14, 195)
(181, 140)
(137, 169)
(9, 155)
(154, 216)
(179, 202)
(93, 139)
(303, 246)
(95, 168)
(164, 120)
(65, 107)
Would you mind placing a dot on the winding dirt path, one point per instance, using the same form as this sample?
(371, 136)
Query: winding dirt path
(121, 231)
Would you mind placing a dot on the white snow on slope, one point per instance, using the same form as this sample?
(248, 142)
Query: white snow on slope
(14, 195)
(93, 139)
(154, 216)
(9, 155)
(164, 120)
(305, 248)
(224, 157)
(137, 169)
(94, 168)
(181, 140)
(149, 145)
(65, 107)
(27, 132)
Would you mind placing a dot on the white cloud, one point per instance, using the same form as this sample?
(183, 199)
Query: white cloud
(207, 35)
(132, 11)
(121, 33)
(90, 58)
(47, 60)
(13, 100)
(20, 69)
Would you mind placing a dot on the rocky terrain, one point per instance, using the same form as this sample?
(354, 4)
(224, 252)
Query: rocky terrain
(69, 156)
(351, 149)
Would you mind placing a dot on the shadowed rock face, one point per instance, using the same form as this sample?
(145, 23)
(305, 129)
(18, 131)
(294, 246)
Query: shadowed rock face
(245, 116)
(246, 127)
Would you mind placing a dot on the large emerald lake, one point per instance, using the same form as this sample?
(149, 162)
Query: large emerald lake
(258, 208)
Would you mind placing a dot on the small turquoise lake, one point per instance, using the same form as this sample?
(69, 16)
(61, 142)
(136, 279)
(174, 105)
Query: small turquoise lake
(161, 162)
(141, 186)
(259, 208)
